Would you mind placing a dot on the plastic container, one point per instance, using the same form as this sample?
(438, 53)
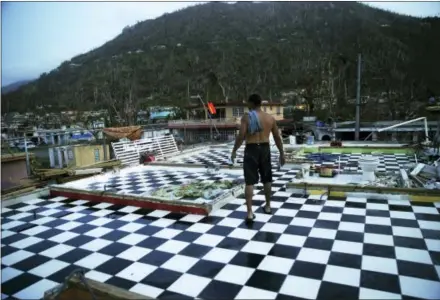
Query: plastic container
(292, 140)
(310, 140)
(305, 169)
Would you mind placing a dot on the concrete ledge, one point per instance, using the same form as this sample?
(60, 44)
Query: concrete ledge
(360, 149)
(339, 190)
(142, 202)
(194, 166)
(148, 202)
(26, 196)
(75, 289)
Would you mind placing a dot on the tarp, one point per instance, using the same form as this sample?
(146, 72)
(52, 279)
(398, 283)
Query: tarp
(160, 115)
(131, 132)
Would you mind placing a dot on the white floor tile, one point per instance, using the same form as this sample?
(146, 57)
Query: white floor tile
(180, 263)
(98, 276)
(220, 255)
(146, 290)
(414, 255)
(292, 240)
(9, 273)
(248, 292)
(348, 247)
(300, 287)
(93, 260)
(57, 250)
(16, 257)
(313, 255)
(134, 253)
(342, 275)
(173, 246)
(419, 288)
(379, 264)
(136, 271)
(276, 264)
(241, 233)
(207, 239)
(167, 233)
(49, 268)
(132, 239)
(63, 237)
(190, 285)
(95, 245)
(36, 291)
(235, 274)
(257, 247)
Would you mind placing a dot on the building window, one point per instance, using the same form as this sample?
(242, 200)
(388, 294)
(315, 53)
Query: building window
(278, 110)
(237, 111)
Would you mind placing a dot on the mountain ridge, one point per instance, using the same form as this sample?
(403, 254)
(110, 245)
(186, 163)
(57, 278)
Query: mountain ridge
(227, 51)
(14, 86)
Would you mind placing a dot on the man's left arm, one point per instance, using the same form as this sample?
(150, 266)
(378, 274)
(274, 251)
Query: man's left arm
(241, 134)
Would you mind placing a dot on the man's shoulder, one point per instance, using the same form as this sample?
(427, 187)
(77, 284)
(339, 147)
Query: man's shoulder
(269, 116)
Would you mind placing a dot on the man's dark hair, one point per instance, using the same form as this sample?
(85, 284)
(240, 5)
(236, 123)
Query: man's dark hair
(255, 99)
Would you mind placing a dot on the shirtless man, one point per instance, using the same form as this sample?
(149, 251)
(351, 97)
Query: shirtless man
(256, 162)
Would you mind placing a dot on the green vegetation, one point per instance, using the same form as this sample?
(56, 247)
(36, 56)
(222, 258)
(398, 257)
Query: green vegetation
(299, 51)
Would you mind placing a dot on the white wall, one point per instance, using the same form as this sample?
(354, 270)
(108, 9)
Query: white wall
(154, 133)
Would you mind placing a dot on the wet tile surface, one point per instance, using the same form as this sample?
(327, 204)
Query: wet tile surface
(349, 162)
(307, 249)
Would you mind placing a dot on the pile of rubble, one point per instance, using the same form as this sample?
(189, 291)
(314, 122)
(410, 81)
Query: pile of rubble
(426, 176)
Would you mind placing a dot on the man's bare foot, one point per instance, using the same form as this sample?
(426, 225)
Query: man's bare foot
(267, 210)
(250, 217)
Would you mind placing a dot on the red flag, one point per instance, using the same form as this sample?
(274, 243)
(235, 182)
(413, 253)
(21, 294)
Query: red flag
(211, 108)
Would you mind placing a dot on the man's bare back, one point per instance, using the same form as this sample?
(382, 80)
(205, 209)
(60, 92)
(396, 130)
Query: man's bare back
(267, 122)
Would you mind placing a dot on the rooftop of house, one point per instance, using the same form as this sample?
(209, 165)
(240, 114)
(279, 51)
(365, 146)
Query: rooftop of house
(233, 103)
(14, 157)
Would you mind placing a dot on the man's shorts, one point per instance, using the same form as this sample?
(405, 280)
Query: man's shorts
(256, 163)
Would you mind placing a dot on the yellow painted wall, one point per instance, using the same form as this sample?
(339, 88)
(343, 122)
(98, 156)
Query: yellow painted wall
(85, 154)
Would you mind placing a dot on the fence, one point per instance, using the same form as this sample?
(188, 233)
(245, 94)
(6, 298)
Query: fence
(220, 121)
(129, 152)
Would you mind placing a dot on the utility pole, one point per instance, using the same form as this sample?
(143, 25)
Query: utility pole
(358, 100)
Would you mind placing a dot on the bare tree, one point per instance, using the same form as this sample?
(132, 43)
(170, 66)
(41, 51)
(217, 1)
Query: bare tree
(119, 95)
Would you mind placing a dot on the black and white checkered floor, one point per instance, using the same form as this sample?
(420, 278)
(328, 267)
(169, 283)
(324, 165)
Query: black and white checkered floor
(308, 249)
(219, 157)
(147, 179)
(349, 162)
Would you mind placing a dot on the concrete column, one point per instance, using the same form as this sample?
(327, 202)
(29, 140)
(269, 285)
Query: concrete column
(60, 158)
(52, 138)
(66, 155)
(60, 139)
(415, 136)
(374, 136)
(45, 138)
(51, 158)
(66, 137)
(394, 136)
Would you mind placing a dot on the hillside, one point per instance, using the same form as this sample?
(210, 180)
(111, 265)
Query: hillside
(14, 86)
(226, 51)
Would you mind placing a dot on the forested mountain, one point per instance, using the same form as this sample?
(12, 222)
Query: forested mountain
(226, 51)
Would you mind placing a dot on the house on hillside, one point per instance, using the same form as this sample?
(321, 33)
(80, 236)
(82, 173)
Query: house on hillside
(223, 125)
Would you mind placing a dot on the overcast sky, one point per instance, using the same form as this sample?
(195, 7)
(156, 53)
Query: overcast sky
(38, 36)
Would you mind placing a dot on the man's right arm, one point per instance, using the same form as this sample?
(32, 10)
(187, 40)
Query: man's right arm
(277, 138)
